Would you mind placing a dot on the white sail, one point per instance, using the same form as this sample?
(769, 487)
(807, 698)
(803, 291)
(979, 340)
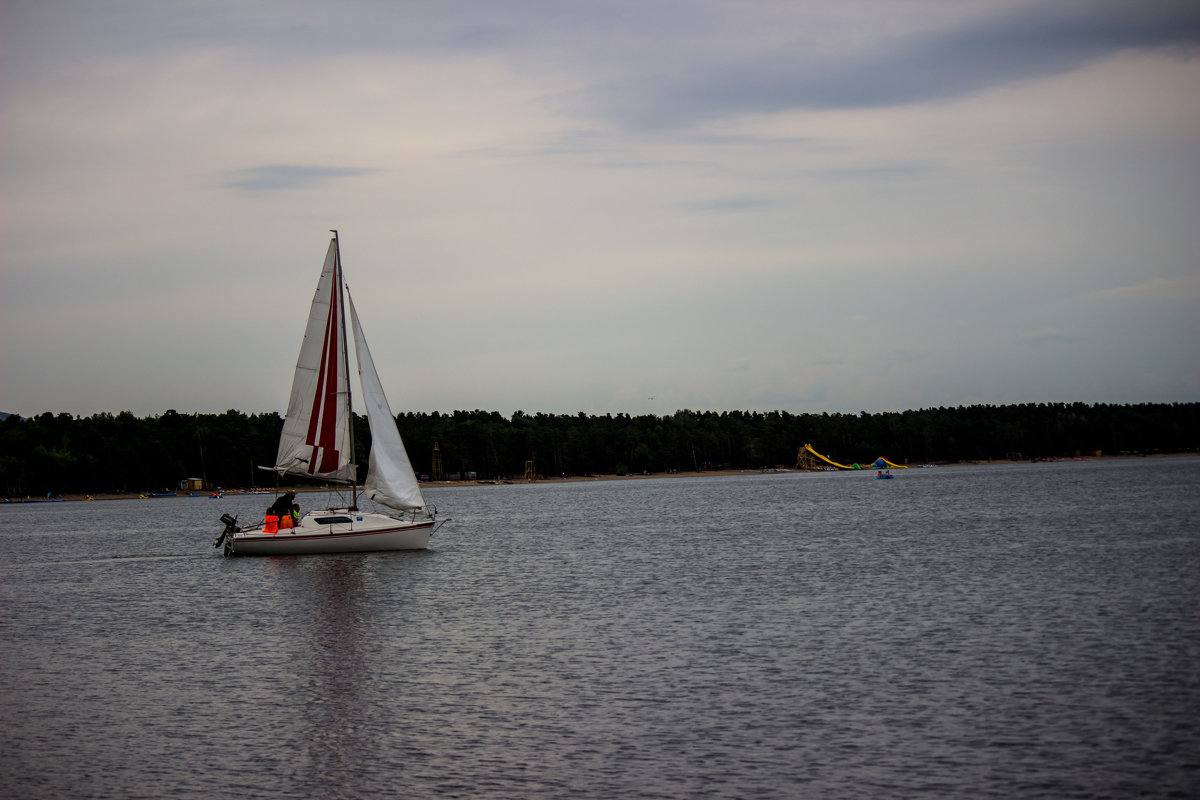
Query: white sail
(390, 479)
(316, 433)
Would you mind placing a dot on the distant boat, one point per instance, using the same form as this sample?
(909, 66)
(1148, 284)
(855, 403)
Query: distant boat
(317, 443)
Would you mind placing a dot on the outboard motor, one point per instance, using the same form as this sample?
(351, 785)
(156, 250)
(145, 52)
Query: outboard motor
(230, 527)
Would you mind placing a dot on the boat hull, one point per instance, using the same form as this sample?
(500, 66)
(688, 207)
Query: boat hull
(334, 532)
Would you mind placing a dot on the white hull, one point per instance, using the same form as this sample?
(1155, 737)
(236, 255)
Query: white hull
(337, 531)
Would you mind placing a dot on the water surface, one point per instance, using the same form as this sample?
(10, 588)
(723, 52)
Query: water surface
(991, 631)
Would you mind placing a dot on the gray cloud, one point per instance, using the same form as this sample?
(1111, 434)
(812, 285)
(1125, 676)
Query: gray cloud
(276, 177)
(723, 205)
(1028, 42)
(1045, 337)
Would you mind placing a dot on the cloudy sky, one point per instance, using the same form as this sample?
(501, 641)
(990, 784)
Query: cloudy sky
(603, 206)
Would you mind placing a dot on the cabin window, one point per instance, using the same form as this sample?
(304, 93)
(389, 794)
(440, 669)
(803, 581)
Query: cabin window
(332, 520)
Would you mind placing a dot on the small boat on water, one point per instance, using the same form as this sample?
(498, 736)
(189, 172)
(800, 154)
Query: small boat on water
(317, 443)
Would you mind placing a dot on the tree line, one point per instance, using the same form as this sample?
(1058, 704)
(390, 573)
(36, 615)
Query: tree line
(107, 453)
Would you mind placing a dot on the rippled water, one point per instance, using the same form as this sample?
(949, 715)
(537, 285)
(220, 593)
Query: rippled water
(998, 631)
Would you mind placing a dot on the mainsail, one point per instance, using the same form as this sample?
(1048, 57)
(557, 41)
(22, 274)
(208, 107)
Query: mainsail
(316, 433)
(390, 479)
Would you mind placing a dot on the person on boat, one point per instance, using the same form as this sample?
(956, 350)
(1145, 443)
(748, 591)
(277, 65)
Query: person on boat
(283, 504)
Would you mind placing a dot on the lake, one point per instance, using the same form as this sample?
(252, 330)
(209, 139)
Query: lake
(1003, 631)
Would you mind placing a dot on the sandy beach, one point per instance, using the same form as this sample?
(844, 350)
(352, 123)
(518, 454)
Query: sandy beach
(269, 493)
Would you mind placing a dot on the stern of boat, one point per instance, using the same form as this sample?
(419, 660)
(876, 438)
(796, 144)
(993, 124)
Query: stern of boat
(226, 537)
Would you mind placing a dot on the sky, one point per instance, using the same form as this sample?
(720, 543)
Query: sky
(616, 206)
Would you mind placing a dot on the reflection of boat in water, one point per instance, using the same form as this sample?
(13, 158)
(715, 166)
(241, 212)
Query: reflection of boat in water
(317, 443)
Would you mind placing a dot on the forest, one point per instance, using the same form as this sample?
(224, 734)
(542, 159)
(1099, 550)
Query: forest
(107, 453)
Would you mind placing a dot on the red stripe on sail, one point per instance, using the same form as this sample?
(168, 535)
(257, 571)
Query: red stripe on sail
(322, 423)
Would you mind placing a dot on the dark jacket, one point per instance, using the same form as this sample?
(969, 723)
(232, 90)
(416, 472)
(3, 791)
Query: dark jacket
(282, 505)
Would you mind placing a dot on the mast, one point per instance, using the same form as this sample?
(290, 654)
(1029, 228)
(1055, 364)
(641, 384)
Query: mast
(341, 301)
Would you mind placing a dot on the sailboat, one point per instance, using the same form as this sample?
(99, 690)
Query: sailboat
(317, 443)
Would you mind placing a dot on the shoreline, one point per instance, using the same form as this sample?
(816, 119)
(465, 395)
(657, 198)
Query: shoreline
(106, 496)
